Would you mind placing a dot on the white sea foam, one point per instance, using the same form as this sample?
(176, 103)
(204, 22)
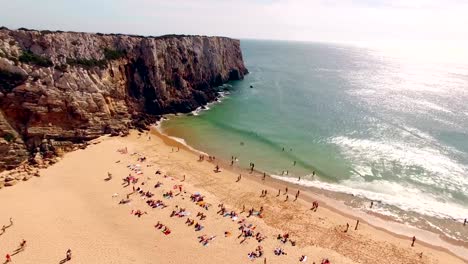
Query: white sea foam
(438, 169)
(221, 97)
(405, 197)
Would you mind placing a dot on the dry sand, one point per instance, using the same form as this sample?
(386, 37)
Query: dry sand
(71, 206)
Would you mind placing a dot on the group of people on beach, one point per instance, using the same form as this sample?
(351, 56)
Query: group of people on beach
(246, 230)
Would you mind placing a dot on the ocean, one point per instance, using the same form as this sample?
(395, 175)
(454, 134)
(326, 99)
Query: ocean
(368, 122)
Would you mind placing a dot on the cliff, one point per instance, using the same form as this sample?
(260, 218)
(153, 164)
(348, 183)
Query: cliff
(62, 88)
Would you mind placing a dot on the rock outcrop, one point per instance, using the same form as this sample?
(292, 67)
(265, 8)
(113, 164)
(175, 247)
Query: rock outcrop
(62, 88)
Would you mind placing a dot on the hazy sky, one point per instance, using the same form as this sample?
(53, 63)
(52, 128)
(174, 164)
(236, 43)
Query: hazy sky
(314, 20)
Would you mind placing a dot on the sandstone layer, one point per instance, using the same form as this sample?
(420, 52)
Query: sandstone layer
(62, 88)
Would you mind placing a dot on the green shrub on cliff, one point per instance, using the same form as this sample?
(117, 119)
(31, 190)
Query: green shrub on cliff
(111, 54)
(9, 137)
(31, 58)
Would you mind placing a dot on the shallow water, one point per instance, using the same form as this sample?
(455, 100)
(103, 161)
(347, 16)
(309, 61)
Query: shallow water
(382, 127)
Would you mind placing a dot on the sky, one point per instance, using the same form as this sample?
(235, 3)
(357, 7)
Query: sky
(305, 20)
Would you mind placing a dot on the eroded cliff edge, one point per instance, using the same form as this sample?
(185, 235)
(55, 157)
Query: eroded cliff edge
(60, 88)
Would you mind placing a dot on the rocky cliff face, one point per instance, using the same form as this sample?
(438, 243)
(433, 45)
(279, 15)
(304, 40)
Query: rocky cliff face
(60, 88)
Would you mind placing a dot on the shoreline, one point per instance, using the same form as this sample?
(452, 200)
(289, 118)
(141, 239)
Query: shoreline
(436, 241)
(74, 206)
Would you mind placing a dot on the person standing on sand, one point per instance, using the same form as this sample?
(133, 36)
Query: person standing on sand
(464, 223)
(357, 223)
(279, 192)
(371, 204)
(69, 255)
(297, 195)
(299, 179)
(22, 244)
(264, 176)
(286, 190)
(347, 228)
(414, 240)
(8, 258)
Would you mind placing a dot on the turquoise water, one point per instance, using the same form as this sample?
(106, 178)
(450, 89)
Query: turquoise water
(367, 122)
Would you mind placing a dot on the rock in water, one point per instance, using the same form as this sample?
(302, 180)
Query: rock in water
(72, 87)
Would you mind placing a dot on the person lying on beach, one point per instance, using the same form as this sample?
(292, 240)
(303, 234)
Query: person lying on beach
(222, 210)
(180, 213)
(109, 177)
(201, 215)
(148, 194)
(259, 237)
(196, 197)
(325, 261)
(217, 169)
(279, 252)
(204, 240)
(158, 184)
(168, 195)
(303, 258)
(203, 204)
(233, 215)
(283, 238)
(258, 253)
(190, 222)
(198, 227)
(158, 225)
(138, 213)
(155, 204)
(125, 201)
(164, 229)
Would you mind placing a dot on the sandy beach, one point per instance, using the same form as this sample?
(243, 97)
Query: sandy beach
(72, 206)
